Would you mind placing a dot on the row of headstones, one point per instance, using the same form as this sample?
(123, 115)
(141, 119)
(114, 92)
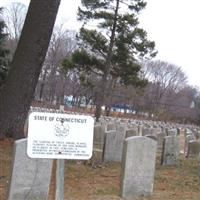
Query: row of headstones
(138, 162)
(118, 142)
(109, 139)
(30, 177)
(138, 166)
(138, 153)
(103, 119)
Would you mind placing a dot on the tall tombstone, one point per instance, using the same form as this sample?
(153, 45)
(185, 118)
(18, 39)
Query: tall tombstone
(30, 178)
(188, 138)
(98, 143)
(111, 126)
(193, 149)
(138, 167)
(109, 146)
(170, 151)
(160, 138)
(114, 144)
(131, 132)
(147, 131)
(172, 132)
(99, 134)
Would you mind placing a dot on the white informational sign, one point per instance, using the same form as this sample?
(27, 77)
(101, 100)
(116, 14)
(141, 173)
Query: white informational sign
(60, 136)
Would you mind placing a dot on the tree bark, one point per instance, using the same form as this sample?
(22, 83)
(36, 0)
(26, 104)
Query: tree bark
(18, 91)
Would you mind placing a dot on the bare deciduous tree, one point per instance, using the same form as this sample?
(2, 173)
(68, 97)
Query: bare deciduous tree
(14, 16)
(52, 78)
(18, 91)
(165, 78)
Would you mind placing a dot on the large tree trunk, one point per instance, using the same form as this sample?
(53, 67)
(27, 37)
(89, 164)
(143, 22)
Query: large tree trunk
(18, 92)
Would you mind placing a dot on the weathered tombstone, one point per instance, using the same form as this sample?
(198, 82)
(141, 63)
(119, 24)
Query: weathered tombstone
(131, 132)
(99, 134)
(147, 131)
(138, 166)
(98, 143)
(170, 151)
(110, 127)
(114, 144)
(30, 177)
(171, 132)
(160, 138)
(193, 149)
(188, 138)
(109, 146)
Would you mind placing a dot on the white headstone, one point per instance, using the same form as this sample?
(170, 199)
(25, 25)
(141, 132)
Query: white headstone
(30, 178)
(138, 166)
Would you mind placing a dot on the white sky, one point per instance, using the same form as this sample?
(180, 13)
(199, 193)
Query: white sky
(172, 24)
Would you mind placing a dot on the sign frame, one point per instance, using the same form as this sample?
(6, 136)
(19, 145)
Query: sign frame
(60, 136)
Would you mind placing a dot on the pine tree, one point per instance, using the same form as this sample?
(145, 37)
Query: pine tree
(114, 48)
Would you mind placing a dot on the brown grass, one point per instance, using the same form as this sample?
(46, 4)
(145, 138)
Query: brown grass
(5, 163)
(102, 182)
(180, 182)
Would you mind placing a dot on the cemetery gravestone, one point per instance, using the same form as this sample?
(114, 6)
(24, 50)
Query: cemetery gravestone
(138, 166)
(99, 134)
(30, 178)
(131, 132)
(109, 146)
(160, 138)
(193, 149)
(147, 131)
(188, 138)
(171, 132)
(98, 143)
(170, 151)
(110, 127)
(114, 144)
(188, 132)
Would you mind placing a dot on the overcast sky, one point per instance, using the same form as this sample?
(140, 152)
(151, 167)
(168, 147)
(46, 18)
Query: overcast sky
(172, 24)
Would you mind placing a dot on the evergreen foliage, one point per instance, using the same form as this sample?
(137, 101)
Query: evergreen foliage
(114, 48)
(3, 52)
